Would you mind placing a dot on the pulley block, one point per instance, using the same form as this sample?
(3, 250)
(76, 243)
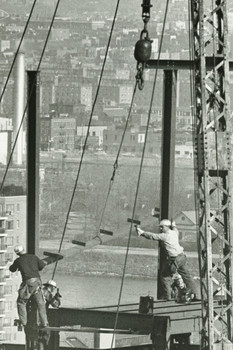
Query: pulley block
(142, 51)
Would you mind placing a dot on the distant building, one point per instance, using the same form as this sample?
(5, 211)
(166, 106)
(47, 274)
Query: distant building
(187, 225)
(95, 138)
(60, 33)
(86, 96)
(115, 114)
(184, 151)
(12, 232)
(63, 132)
(5, 139)
(4, 45)
(125, 94)
(45, 132)
(47, 94)
(133, 140)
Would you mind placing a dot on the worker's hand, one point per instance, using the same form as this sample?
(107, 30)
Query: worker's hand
(173, 224)
(139, 231)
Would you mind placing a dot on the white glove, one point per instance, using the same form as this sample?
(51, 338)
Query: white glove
(139, 231)
(173, 224)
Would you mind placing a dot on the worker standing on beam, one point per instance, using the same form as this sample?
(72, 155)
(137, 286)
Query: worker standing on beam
(29, 266)
(175, 260)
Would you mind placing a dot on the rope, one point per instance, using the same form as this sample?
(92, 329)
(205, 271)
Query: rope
(17, 51)
(87, 134)
(115, 165)
(25, 109)
(194, 134)
(139, 175)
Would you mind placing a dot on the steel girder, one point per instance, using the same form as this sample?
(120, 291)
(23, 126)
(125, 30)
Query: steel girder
(213, 123)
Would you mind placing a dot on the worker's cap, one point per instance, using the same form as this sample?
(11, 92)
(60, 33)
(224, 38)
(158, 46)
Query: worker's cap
(19, 249)
(165, 222)
(51, 283)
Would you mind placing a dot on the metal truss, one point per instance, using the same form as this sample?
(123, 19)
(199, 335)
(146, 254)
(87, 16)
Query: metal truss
(214, 166)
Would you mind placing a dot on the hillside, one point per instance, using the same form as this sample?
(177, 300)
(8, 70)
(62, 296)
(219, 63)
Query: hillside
(75, 9)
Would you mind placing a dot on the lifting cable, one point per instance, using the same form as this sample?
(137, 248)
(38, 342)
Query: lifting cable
(25, 109)
(191, 19)
(6, 83)
(17, 51)
(141, 54)
(115, 165)
(87, 133)
(140, 172)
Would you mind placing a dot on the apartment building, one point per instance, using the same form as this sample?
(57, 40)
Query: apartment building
(12, 232)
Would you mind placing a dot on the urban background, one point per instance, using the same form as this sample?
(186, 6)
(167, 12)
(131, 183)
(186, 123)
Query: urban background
(69, 76)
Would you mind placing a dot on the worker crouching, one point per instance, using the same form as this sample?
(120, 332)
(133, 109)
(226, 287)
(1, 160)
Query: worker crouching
(50, 297)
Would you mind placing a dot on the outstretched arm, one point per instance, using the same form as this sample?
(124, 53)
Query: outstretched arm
(150, 235)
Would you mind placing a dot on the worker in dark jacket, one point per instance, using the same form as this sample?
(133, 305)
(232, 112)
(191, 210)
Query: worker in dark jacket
(29, 266)
(175, 258)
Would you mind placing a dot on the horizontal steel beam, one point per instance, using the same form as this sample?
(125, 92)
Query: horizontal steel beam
(135, 347)
(184, 64)
(101, 319)
(88, 330)
(140, 323)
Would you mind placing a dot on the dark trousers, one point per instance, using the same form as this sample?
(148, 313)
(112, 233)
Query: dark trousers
(169, 268)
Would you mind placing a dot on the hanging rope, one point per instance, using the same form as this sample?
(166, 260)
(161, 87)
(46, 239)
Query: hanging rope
(17, 51)
(139, 175)
(115, 165)
(194, 131)
(25, 109)
(87, 134)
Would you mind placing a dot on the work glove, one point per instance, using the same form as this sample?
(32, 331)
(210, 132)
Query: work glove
(173, 224)
(56, 301)
(57, 295)
(139, 231)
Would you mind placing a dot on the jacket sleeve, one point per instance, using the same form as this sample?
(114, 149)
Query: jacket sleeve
(41, 264)
(154, 236)
(13, 267)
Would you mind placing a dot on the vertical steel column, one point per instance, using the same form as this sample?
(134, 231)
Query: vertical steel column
(33, 144)
(168, 157)
(32, 334)
(214, 163)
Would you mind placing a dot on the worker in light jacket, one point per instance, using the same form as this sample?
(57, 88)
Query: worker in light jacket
(29, 266)
(51, 294)
(175, 258)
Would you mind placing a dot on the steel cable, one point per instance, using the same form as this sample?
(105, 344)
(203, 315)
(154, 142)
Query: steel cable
(30, 93)
(88, 129)
(139, 175)
(17, 51)
(194, 131)
(115, 165)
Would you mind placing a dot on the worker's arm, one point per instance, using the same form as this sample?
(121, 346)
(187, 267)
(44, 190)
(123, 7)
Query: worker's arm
(41, 264)
(13, 267)
(151, 235)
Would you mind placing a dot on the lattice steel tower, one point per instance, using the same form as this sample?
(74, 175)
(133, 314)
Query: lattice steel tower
(214, 166)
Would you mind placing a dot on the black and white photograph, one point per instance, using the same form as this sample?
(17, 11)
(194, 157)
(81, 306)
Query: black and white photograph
(116, 174)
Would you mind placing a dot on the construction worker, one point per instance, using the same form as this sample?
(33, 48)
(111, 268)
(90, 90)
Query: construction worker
(50, 298)
(29, 266)
(175, 258)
